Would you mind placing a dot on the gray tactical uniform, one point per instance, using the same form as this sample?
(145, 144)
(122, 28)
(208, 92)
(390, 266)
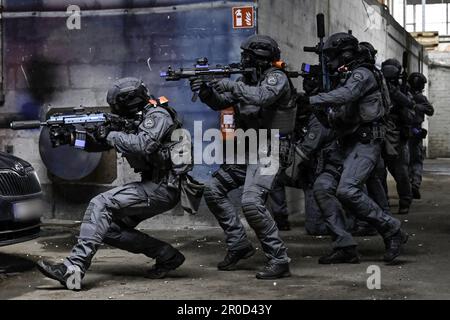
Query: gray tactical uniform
(358, 108)
(277, 201)
(104, 222)
(315, 137)
(255, 105)
(423, 107)
(311, 136)
(402, 114)
(325, 188)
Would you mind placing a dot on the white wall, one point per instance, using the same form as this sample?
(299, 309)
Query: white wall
(439, 88)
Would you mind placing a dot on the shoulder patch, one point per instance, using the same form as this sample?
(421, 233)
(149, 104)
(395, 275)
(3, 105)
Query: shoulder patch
(312, 136)
(358, 76)
(149, 123)
(272, 80)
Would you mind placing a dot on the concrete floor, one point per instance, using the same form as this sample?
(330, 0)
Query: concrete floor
(421, 273)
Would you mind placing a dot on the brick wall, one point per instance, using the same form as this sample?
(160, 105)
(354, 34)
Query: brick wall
(439, 125)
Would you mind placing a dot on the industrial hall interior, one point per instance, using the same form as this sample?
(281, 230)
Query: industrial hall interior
(224, 150)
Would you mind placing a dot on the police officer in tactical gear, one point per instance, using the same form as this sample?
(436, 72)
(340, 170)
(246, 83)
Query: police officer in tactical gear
(261, 103)
(402, 114)
(311, 138)
(417, 83)
(355, 110)
(159, 189)
(376, 186)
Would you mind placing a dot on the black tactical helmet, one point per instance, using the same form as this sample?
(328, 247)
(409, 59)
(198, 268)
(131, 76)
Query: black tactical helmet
(391, 68)
(417, 81)
(340, 50)
(127, 96)
(370, 49)
(262, 47)
(340, 42)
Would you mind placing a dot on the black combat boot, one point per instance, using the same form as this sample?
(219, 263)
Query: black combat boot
(283, 223)
(416, 194)
(161, 269)
(403, 207)
(394, 245)
(233, 257)
(403, 210)
(341, 255)
(70, 278)
(274, 271)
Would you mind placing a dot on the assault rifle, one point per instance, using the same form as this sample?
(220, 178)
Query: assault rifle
(72, 128)
(404, 76)
(318, 72)
(317, 76)
(202, 70)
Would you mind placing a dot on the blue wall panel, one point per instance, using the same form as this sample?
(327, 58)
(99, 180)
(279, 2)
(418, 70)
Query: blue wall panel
(46, 63)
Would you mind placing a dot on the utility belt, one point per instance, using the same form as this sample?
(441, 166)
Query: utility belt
(371, 132)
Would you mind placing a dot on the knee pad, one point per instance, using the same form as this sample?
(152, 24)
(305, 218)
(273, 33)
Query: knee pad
(347, 191)
(253, 209)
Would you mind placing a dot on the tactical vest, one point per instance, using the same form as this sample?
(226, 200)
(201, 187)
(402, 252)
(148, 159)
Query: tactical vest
(366, 110)
(279, 116)
(282, 115)
(163, 160)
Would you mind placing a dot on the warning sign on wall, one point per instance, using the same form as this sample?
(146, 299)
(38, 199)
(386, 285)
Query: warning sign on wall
(243, 17)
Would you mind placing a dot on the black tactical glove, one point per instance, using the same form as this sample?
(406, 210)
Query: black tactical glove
(223, 85)
(422, 107)
(310, 86)
(102, 132)
(303, 100)
(93, 144)
(197, 84)
(62, 136)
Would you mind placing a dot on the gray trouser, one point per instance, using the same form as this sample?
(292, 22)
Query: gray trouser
(104, 222)
(376, 186)
(333, 213)
(256, 189)
(277, 201)
(359, 164)
(416, 161)
(314, 221)
(377, 191)
(399, 168)
(314, 224)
